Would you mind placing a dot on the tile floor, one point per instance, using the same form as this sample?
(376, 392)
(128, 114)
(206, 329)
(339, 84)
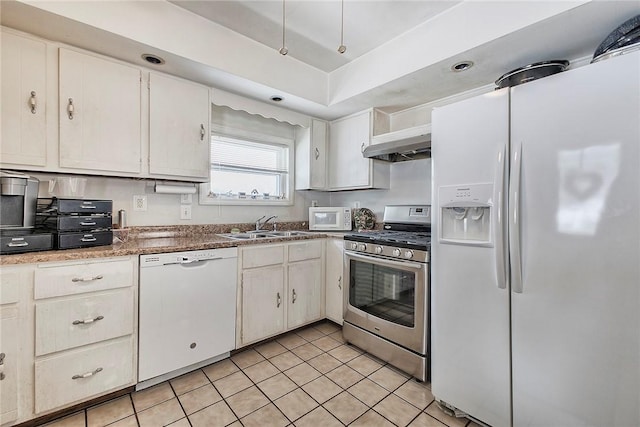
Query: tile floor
(304, 378)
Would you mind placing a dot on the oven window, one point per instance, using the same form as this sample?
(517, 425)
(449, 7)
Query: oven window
(385, 292)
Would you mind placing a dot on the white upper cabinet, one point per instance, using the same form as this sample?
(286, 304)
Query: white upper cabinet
(311, 156)
(23, 100)
(179, 139)
(348, 169)
(99, 114)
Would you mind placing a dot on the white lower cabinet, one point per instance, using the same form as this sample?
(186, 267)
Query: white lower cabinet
(16, 361)
(8, 364)
(305, 292)
(334, 283)
(85, 330)
(280, 288)
(262, 302)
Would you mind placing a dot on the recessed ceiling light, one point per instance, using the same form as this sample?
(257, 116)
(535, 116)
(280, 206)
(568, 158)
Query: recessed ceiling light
(276, 98)
(461, 66)
(153, 59)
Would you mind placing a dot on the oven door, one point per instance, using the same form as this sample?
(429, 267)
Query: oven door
(388, 298)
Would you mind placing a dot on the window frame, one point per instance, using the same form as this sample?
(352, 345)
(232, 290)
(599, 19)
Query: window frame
(205, 188)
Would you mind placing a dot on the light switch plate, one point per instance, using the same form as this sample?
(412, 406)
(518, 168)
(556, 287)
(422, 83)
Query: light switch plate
(139, 203)
(185, 211)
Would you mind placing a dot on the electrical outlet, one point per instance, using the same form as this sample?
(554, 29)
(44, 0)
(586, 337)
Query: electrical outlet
(356, 205)
(186, 199)
(185, 211)
(140, 203)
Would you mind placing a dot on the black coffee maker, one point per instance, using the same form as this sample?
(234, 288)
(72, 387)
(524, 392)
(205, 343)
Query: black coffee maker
(18, 202)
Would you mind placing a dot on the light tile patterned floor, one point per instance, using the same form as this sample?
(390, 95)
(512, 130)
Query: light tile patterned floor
(307, 378)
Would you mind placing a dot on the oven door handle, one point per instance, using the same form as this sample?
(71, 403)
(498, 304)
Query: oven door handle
(411, 265)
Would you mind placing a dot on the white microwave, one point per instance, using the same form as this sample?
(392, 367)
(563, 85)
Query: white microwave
(329, 218)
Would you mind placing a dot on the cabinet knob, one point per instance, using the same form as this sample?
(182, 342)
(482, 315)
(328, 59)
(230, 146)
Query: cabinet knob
(70, 109)
(33, 102)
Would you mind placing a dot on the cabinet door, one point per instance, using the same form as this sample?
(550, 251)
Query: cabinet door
(318, 161)
(179, 137)
(9, 371)
(99, 114)
(263, 302)
(348, 138)
(334, 296)
(23, 101)
(305, 292)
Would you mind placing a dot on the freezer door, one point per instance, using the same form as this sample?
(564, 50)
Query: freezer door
(576, 284)
(470, 297)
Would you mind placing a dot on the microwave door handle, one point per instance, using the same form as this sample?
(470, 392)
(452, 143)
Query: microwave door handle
(405, 265)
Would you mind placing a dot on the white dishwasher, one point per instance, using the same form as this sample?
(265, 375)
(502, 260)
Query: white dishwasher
(187, 311)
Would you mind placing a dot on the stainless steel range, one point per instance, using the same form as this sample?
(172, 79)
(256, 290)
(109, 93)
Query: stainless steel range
(387, 298)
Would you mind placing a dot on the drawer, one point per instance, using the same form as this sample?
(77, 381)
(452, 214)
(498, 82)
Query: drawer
(259, 256)
(305, 250)
(73, 279)
(74, 222)
(70, 240)
(72, 322)
(84, 373)
(70, 206)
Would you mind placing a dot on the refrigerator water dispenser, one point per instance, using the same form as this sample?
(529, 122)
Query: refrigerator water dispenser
(465, 216)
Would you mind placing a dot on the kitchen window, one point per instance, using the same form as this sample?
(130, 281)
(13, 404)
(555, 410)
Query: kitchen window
(251, 160)
(248, 170)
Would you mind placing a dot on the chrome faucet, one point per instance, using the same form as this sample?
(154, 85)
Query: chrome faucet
(260, 224)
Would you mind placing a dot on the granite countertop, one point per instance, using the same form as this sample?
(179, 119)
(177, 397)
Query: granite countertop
(153, 240)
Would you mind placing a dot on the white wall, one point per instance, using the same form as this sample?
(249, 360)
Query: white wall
(164, 209)
(410, 184)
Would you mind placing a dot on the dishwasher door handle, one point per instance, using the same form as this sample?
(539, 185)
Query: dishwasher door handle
(192, 261)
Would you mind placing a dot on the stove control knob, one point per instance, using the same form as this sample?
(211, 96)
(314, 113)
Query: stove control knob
(408, 254)
(354, 246)
(362, 247)
(396, 252)
(378, 249)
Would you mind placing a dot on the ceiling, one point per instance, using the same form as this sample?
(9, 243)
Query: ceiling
(399, 52)
(313, 27)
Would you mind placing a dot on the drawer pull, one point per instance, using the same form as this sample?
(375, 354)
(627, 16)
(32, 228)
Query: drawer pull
(70, 109)
(340, 282)
(88, 207)
(87, 279)
(87, 223)
(278, 299)
(17, 244)
(88, 239)
(293, 296)
(87, 321)
(87, 375)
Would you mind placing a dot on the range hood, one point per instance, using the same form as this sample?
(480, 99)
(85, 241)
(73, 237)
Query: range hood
(399, 146)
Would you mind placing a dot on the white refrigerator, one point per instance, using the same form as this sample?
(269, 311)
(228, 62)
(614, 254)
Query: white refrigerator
(536, 251)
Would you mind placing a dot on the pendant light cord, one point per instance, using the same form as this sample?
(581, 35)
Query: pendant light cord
(342, 48)
(283, 50)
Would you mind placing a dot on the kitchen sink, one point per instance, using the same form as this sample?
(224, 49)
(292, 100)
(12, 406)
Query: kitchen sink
(263, 235)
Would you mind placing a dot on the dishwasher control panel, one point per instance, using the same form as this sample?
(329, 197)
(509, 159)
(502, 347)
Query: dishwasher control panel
(189, 257)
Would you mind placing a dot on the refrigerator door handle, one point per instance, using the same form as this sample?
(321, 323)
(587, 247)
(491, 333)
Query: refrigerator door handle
(501, 271)
(515, 195)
